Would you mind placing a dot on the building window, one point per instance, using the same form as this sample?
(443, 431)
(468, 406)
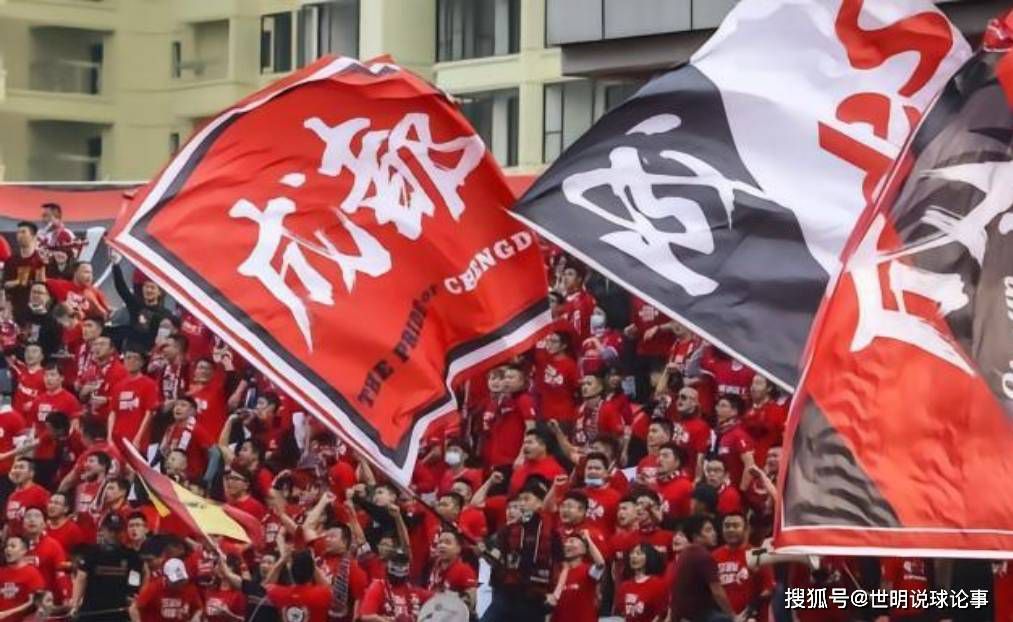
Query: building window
(177, 59)
(94, 159)
(476, 28)
(493, 114)
(327, 28)
(572, 107)
(173, 143)
(569, 112)
(276, 43)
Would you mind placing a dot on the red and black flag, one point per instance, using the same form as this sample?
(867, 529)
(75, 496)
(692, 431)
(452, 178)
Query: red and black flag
(900, 436)
(346, 231)
(723, 191)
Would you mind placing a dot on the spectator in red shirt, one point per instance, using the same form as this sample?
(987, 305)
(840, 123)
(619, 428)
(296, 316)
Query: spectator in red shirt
(44, 551)
(19, 580)
(108, 372)
(26, 493)
(595, 416)
(766, 416)
(672, 484)
(556, 379)
(184, 433)
(735, 445)
(534, 460)
(747, 590)
(170, 597)
(449, 573)
(237, 483)
(697, 593)
(512, 417)
(174, 367)
(602, 348)
(689, 430)
(29, 376)
(575, 598)
(395, 597)
(134, 399)
(455, 455)
(643, 595)
(659, 433)
(55, 237)
(729, 498)
(60, 526)
(579, 304)
(340, 569)
(602, 498)
(80, 294)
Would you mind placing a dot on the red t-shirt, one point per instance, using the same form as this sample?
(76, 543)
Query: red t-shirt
(731, 445)
(132, 398)
(675, 491)
(12, 424)
(576, 312)
(457, 577)
(192, 439)
(729, 500)
(199, 339)
(109, 376)
(251, 506)
(597, 349)
(602, 504)
(60, 401)
(741, 585)
(596, 418)
(399, 602)
(31, 496)
(301, 602)
(357, 581)
(217, 602)
(211, 406)
(694, 436)
(506, 427)
(682, 350)
(49, 557)
(69, 535)
(730, 376)
(643, 600)
(645, 317)
(86, 300)
(157, 602)
(547, 467)
(29, 386)
(766, 425)
(556, 382)
(647, 469)
(17, 584)
(578, 601)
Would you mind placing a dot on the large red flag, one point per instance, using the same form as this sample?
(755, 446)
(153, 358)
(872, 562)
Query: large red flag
(901, 433)
(345, 230)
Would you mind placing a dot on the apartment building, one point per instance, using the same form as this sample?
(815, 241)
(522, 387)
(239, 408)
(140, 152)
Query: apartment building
(108, 89)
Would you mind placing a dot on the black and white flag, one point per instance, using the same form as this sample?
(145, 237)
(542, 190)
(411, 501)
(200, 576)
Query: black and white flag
(723, 192)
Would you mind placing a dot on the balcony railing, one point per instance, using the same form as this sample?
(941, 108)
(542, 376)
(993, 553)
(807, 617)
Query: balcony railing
(66, 76)
(201, 69)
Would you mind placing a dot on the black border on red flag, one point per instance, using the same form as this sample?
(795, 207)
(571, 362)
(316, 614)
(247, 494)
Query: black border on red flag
(258, 345)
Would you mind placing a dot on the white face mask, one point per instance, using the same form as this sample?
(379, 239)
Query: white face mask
(452, 458)
(594, 482)
(597, 322)
(163, 334)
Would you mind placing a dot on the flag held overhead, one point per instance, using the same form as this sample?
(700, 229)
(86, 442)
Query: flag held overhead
(345, 230)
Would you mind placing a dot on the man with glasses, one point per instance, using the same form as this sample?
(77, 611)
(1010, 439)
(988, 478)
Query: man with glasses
(689, 430)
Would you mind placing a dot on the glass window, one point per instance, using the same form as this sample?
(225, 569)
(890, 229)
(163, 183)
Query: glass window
(328, 28)
(493, 114)
(569, 112)
(177, 59)
(476, 28)
(276, 43)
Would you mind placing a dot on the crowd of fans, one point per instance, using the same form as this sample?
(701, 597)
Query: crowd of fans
(623, 468)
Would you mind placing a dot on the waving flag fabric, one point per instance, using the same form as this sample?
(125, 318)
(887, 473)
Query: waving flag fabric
(198, 515)
(901, 433)
(723, 192)
(346, 231)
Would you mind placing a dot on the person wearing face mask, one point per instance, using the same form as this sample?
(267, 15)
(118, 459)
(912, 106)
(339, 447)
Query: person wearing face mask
(146, 311)
(602, 499)
(602, 348)
(393, 598)
(455, 455)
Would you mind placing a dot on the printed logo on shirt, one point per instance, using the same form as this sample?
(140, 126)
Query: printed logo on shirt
(174, 609)
(633, 606)
(129, 400)
(9, 590)
(296, 614)
(553, 377)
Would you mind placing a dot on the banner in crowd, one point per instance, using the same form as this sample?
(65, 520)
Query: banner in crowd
(346, 231)
(196, 515)
(89, 210)
(900, 436)
(723, 192)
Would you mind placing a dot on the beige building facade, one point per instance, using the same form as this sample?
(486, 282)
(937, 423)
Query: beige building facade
(108, 89)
